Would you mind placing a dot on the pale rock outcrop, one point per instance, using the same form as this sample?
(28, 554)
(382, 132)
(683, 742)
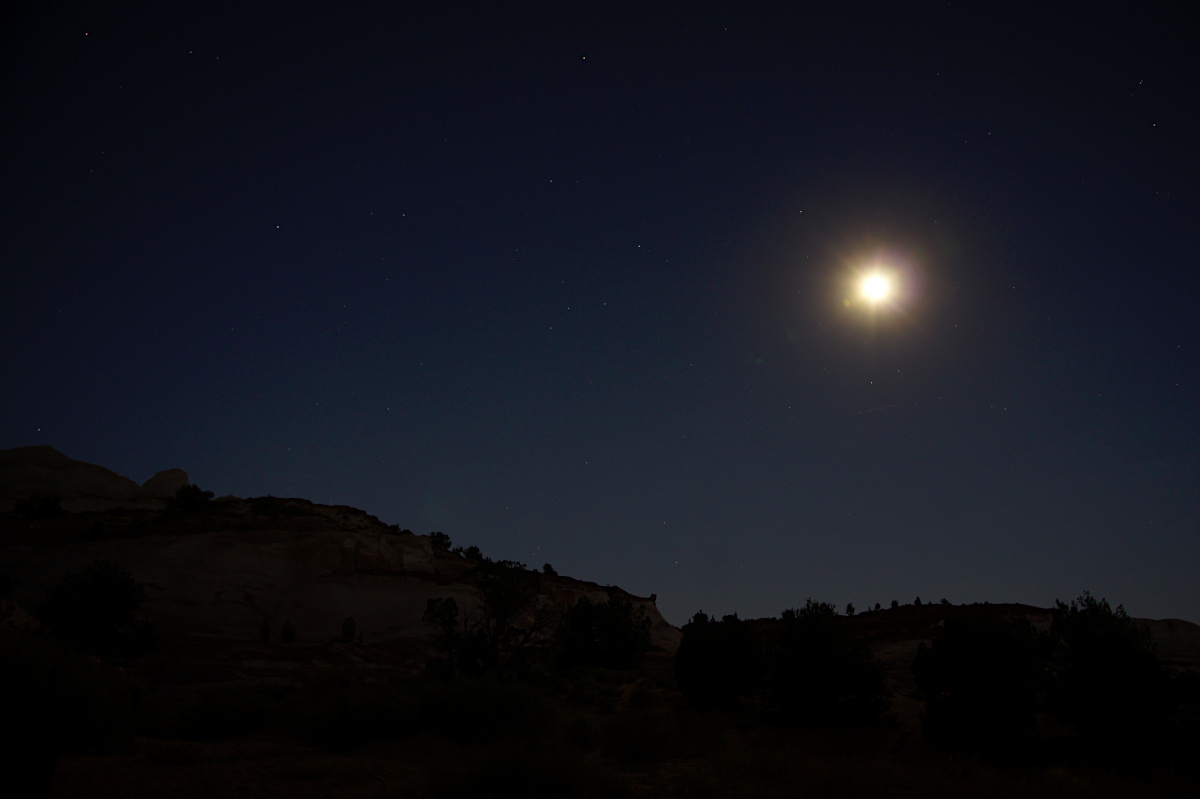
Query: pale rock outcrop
(227, 583)
(164, 484)
(42, 471)
(245, 562)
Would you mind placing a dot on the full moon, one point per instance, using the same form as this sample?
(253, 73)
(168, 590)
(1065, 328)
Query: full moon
(876, 287)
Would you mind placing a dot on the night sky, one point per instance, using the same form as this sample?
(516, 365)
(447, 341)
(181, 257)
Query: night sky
(578, 286)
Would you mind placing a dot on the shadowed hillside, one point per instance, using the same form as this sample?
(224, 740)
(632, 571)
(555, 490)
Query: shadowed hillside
(230, 570)
(176, 643)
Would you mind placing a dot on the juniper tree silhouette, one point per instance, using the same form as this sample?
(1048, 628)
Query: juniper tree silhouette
(96, 610)
(980, 679)
(190, 499)
(718, 662)
(495, 635)
(817, 672)
(614, 633)
(1108, 680)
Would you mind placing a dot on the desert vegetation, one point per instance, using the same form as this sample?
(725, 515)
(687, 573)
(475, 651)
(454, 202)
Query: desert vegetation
(804, 667)
(1097, 648)
(524, 698)
(97, 610)
(190, 499)
(981, 678)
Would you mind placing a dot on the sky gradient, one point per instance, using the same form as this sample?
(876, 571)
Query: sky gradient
(572, 285)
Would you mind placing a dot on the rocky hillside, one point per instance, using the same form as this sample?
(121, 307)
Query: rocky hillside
(220, 574)
(32, 473)
(214, 578)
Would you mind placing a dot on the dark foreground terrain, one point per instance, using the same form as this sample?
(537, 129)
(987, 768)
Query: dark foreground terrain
(169, 644)
(352, 723)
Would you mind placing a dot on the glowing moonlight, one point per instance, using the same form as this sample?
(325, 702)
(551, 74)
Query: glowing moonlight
(876, 287)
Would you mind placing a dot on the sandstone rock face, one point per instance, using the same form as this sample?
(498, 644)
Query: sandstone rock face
(244, 562)
(227, 583)
(42, 471)
(1177, 642)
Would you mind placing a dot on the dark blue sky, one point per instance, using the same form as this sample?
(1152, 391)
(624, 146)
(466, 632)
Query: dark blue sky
(571, 285)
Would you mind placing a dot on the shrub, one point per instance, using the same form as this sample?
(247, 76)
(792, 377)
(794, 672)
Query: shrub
(980, 679)
(614, 633)
(97, 610)
(1109, 682)
(190, 499)
(818, 673)
(470, 553)
(440, 541)
(718, 662)
(494, 636)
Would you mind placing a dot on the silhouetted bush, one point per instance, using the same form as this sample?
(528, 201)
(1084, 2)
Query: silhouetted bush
(440, 541)
(97, 610)
(547, 569)
(718, 662)
(1109, 682)
(470, 553)
(190, 499)
(981, 678)
(818, 673)
(614, 633)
